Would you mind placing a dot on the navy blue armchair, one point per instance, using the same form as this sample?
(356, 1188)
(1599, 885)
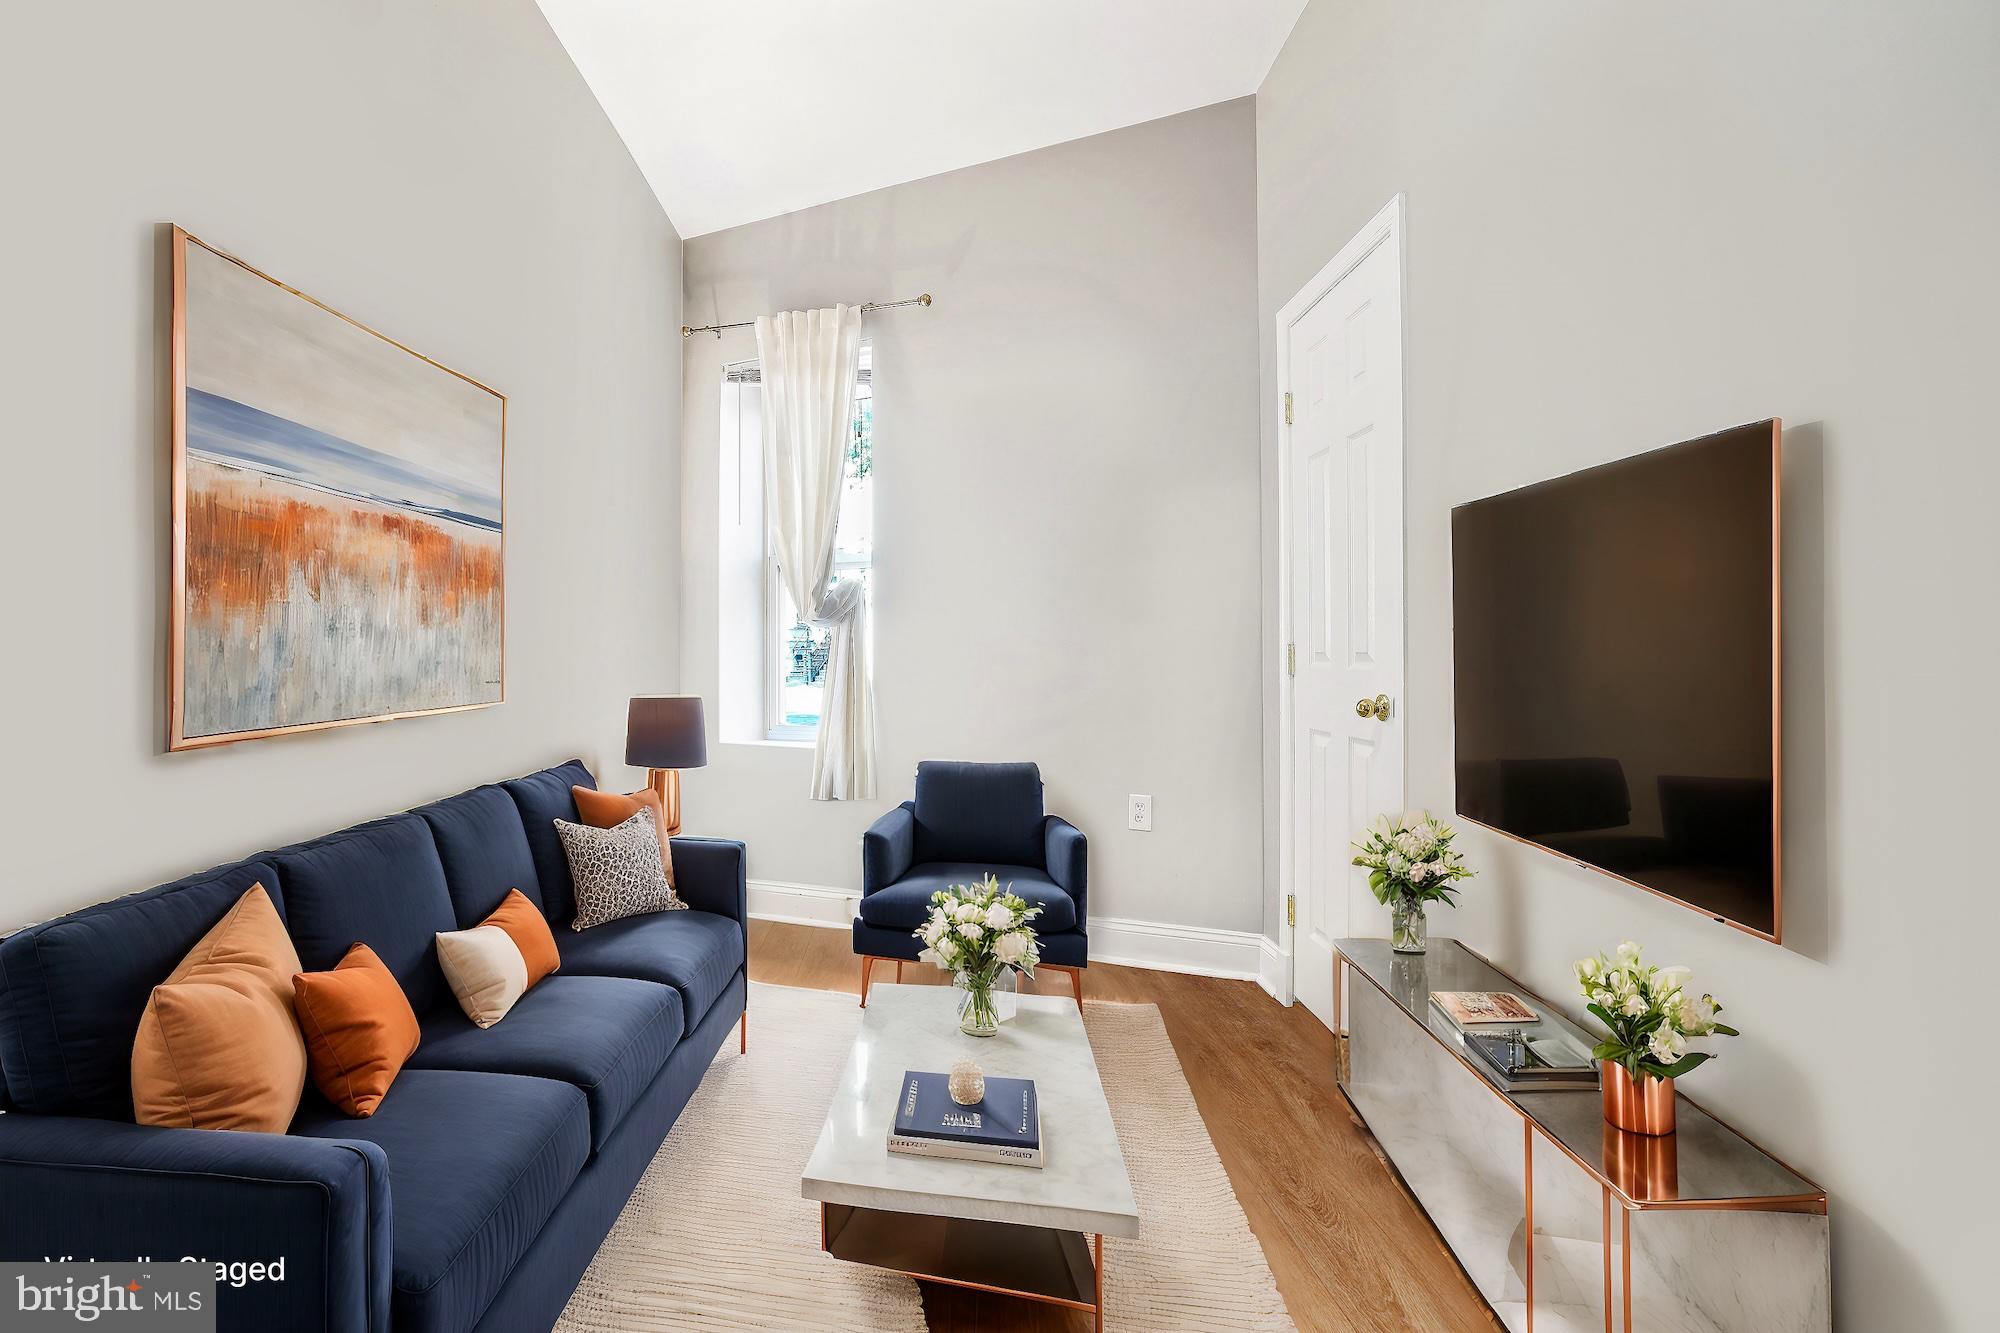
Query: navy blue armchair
(969, 820)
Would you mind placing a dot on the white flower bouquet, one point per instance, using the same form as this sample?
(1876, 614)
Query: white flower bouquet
(1410, 862)
(976, 932)
(1651, 1014)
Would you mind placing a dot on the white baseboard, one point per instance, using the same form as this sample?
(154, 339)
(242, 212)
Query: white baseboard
(803, 904)
(1158, 945)
(1198, 950)
(1272, 973)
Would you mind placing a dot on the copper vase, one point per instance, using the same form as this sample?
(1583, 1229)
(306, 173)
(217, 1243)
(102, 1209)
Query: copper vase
(1638, 1106)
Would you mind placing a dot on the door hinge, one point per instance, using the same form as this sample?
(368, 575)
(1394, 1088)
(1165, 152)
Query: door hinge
(1291, 909)
(1291, 659)
(1288, 409)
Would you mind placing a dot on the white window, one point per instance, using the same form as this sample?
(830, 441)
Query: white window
(781, 663)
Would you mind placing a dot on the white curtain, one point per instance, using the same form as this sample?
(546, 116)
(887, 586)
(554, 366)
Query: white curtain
(808, 360)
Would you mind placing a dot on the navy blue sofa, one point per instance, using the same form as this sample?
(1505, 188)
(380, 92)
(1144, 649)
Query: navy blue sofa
(967, 821)
(477, 1193)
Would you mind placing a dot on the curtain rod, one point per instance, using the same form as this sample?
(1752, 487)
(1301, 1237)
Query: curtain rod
(869, 309)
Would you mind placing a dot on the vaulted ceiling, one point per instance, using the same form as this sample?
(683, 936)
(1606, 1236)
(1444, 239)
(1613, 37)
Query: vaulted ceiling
(744, 109)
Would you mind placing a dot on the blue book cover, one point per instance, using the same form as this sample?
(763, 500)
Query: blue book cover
(1008, 1116)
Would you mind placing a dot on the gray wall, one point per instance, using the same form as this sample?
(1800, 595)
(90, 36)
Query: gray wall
(1066, 463)
(438, 171)
(1628, 225)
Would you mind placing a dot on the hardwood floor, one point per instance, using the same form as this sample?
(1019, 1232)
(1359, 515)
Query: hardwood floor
(1350, 1250)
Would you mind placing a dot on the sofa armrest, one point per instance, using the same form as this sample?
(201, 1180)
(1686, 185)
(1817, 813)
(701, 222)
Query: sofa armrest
(108, 1190)
(711, 875)
(888, 848)
(1068, 859)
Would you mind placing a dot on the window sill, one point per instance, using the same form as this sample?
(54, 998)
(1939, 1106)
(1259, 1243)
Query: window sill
(771, 745)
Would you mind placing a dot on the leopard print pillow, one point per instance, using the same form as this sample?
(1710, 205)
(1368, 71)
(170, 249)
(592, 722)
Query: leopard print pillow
(618, 871)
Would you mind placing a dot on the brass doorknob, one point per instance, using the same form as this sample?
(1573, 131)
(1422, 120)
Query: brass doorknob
(1377, 708)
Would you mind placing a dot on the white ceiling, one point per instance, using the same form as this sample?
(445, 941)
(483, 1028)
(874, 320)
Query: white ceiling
(744, 109)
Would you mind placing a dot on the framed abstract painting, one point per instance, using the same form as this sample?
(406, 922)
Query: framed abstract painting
(338, 517)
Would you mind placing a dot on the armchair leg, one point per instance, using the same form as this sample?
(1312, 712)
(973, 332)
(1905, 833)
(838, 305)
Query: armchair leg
(867, 966)
(1075, 981)
(899, 971)
(743, 1038)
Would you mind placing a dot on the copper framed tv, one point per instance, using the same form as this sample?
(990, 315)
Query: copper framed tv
(1616, 641)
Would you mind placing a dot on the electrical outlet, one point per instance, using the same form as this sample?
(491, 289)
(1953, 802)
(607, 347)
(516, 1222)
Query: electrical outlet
(1139, 813)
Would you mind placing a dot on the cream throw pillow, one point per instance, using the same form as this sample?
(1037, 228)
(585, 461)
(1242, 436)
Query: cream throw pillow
(486, 971)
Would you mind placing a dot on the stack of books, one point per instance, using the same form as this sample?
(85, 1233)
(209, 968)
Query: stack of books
(1509, 1041)
(1003, 1126)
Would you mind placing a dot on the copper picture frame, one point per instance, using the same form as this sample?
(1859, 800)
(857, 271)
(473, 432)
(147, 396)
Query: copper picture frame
(260, 474)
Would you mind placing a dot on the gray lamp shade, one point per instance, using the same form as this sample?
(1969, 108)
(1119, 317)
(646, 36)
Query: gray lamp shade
(666, 731)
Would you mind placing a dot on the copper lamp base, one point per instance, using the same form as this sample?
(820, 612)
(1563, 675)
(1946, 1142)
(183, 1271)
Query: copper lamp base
(666, 783)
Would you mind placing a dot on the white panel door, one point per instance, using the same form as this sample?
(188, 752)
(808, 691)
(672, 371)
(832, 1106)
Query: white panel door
(1344, 481)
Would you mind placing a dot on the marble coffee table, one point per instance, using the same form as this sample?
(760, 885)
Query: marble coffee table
(1037, 1234)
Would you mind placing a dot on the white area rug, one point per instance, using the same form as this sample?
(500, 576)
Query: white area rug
(716, 1236)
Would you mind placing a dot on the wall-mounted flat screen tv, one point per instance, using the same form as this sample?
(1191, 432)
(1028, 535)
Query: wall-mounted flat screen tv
(1616, 639)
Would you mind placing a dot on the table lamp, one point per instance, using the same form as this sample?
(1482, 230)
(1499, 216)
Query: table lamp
(664, 734)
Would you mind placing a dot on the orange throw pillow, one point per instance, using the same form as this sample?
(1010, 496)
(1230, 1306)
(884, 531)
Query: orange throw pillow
(608, 809)
(359, 1029)
(216, 1047)
(529, 929)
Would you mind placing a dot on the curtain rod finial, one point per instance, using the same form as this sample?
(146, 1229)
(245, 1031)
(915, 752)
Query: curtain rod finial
(925, 299)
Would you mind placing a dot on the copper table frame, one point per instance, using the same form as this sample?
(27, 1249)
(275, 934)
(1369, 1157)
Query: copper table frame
(1814, 1203)
(1093, 1307)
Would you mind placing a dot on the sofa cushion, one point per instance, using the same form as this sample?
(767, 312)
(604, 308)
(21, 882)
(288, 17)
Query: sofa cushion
(697, 953)
(379, 884)
(1065, 948)
(979, 812)
(72, 989)
(905, 904)
(605, 1035)
(477, 1163)
(484, 849)
(543, 798)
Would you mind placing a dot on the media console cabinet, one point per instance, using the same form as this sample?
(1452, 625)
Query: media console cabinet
(1561, 1221)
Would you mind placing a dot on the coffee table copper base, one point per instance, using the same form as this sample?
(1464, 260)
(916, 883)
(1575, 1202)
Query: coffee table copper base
(1035, 1263)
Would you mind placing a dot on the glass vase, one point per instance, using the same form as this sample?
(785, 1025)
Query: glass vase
(978, 1007)
(1408, 930)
